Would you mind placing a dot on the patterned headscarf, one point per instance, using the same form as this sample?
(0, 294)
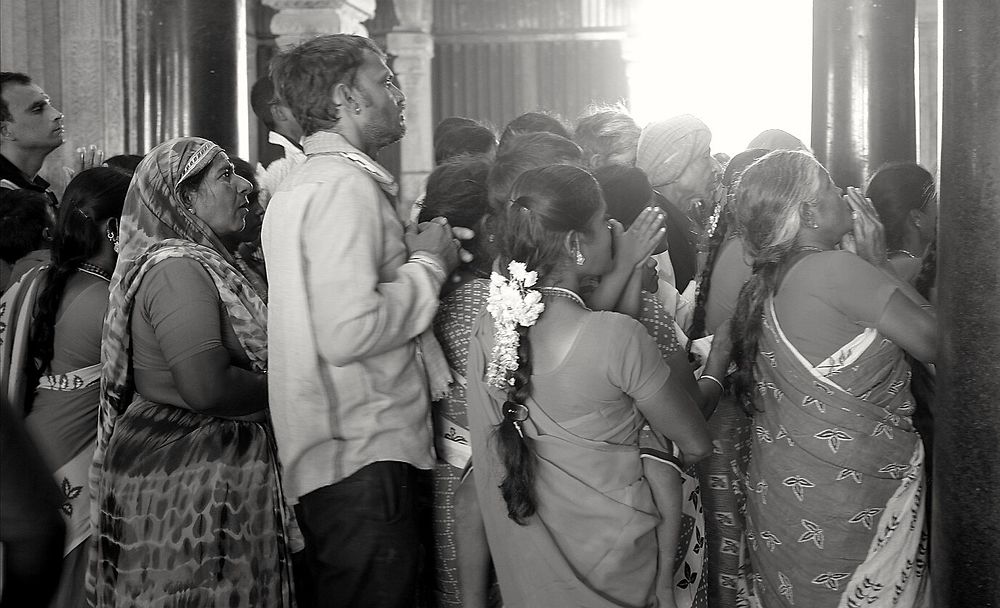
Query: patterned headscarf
(667, 147)
(155, 226)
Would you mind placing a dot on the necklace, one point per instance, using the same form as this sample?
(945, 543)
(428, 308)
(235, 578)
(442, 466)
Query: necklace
(904, 252)
(95, 270)
(810, 248)
(561, 292)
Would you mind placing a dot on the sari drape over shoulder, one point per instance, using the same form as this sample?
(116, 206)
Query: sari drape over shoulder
(187, 508)
(835, 482)
(592, 542)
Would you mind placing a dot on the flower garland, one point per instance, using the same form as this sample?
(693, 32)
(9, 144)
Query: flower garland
(512, 303)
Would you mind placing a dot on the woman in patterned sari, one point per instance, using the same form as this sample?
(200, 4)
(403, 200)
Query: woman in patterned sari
(835, 513)
(51, 322)
(187, 502)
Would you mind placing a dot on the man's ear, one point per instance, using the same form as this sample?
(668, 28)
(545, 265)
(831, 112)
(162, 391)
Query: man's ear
(343, 96)
(280, 113)
(5, 130)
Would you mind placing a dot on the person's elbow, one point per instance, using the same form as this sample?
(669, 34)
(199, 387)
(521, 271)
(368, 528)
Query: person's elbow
(698, 451)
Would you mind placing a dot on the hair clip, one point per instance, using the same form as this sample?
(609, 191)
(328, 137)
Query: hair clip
(516, 413)
(85, 216)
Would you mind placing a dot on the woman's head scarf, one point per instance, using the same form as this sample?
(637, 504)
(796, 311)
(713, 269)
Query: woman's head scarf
(154, 210)
(667, 147)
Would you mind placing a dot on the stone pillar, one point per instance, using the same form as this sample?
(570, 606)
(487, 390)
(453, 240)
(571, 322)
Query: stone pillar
(299, 20)
(965, 547)
(863, 99)
(412, 47)
(73, 50)
(929, 85)
(181, 61)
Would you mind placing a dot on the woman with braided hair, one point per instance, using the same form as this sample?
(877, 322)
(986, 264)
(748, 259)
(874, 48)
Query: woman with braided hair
(835, 484)
(51, 322)
(557, 395)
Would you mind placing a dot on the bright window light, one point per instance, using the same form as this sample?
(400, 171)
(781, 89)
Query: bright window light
(741, 66)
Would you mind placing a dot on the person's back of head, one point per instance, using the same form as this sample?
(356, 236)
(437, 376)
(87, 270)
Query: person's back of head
(768, 200)
(262, 95)
(533, 122)
(88, 223)
(7, 79)
(456, 190)
(528, 151)
(626, 191)
(608, 135)
(776, 139)
(463, 140)
(124, 162)
(24, 223)
(91, 198)
(445, 125)
(307, 74)
(546, 204)
(898, 189)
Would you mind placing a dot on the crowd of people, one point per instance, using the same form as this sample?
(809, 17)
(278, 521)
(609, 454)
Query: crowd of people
(593, 364)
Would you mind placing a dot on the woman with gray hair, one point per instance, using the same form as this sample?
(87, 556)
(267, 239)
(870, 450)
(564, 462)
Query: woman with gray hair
(835, 483)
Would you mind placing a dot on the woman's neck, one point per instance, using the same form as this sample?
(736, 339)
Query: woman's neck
(106, 258)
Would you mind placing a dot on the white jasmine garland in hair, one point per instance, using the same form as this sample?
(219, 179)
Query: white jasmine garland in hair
(512, 302)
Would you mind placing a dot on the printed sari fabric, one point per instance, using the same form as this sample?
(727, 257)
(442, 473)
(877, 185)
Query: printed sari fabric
(187, 508)
(62, 421)
(690, 583)
(452, 326)
(835, 486)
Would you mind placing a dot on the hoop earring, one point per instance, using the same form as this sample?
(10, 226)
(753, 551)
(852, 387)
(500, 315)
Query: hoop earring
(113, 239)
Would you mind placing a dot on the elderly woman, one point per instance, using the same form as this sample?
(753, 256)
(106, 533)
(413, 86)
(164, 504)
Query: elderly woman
(186, 487)
(50, 330)
(676, 155)
(836, 478)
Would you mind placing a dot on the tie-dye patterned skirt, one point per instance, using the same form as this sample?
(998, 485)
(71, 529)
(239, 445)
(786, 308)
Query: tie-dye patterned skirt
(191, 513)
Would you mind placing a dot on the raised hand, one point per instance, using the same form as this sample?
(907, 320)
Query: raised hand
(867, 239)
(634, 246)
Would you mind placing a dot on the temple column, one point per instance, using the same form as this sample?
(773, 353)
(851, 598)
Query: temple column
(928, 85)
(863, 97)
(412, 47)
(965, 547)
(181, 63)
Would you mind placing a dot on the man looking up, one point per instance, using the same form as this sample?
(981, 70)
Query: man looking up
(30, 129)
(351, 290)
